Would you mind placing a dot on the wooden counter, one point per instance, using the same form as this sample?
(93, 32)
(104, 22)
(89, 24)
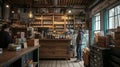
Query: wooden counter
(19, 58)
(55, 48)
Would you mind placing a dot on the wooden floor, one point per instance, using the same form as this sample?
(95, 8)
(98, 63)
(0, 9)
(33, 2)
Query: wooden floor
(61, 63)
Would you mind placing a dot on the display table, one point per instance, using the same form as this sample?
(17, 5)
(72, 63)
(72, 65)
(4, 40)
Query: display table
(54, 48)
(20, 58)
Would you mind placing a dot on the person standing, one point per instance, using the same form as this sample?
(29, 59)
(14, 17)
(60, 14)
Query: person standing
(79, 40)
(5, 37)
(73, 39)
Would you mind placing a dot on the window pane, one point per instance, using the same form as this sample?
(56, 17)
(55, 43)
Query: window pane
(119, 19)
(116, 21)
(97, 18)
(99, 25)
(111, 23)
(119, 9)
(96, 25)
(111, 12)
(116, 10)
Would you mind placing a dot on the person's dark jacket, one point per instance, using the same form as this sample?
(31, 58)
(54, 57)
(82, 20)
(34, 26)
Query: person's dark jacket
(5, 39)
(79, 38)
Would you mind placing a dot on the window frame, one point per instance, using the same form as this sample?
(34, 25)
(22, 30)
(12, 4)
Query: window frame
(116, 14)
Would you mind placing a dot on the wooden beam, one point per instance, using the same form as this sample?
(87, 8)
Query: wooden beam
(69, 2)
(58, 2)
(74, 2)
(46, 2)
(79, 2)
(59, 6)
(65, 2)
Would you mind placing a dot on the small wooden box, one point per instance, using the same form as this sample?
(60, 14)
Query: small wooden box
(33, 42)
(117, 35)
(102, 41)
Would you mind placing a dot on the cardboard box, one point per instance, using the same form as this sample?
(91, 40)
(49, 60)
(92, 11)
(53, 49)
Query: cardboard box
(33, 42)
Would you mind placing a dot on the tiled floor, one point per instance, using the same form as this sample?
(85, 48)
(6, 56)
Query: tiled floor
(61, 63)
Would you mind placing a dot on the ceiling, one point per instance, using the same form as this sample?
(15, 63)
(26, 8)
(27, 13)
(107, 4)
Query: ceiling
(55, 3)
(75, 5)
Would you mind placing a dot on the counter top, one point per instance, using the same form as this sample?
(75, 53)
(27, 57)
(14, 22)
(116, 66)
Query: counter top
(10, 56)
(56, 39)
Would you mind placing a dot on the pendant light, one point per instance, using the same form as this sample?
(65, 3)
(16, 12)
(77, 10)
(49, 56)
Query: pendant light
(7, 6)
(30, 15)
(69, 11)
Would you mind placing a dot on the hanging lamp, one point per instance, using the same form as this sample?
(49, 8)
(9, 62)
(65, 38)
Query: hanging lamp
(30, 15)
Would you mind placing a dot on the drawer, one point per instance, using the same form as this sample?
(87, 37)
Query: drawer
(47, 54)
(57, 54)
(113, 64)
(115, 58)
(55, 47)
(115, 51)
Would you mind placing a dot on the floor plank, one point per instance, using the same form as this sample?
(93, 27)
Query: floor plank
(61, 63)
(53, 63)
(70, 63)
(58, 63)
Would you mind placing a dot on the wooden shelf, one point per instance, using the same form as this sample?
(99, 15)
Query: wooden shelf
(50, 20)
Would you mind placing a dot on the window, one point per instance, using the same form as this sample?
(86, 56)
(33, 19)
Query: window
(97, 22)
(114, 17)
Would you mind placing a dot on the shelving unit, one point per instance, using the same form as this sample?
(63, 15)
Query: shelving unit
(114, 57)
(70, 22)
(99, 56)
(57, 23)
